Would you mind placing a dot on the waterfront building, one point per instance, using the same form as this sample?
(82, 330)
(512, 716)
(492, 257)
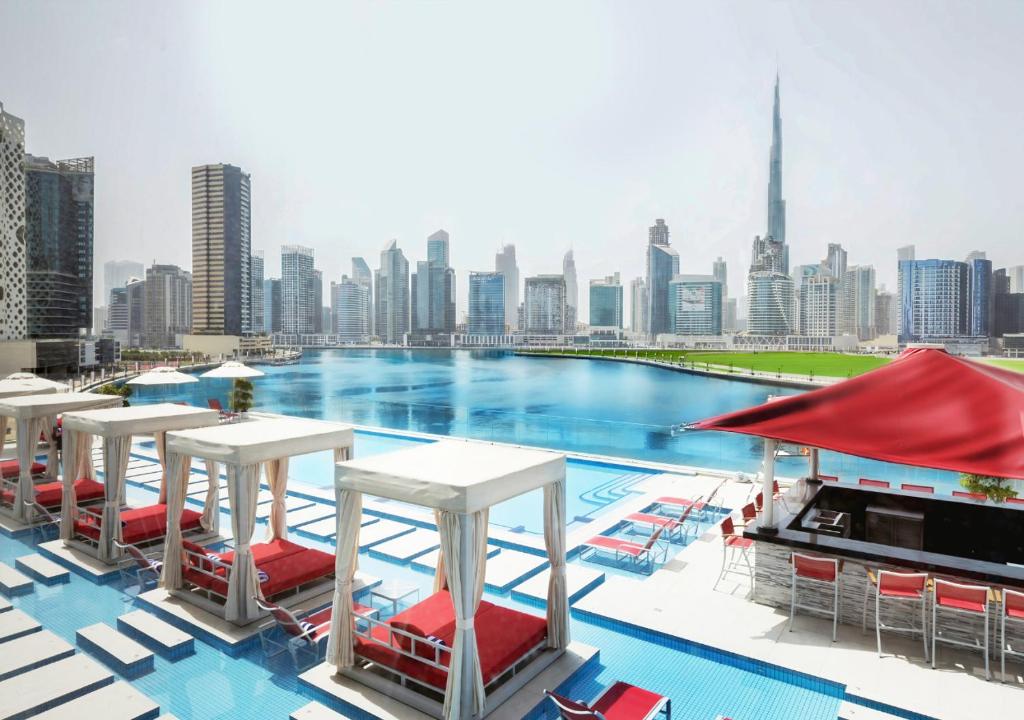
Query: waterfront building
(168, 305)
(505, 263)
(980, 296)
(59, 246)
(695, 305)
(391, 285)
(1008, 314)
(136, 311)
(730, 321)
(438, 249)
(886, 313)
(638, 305)
(316, 311)
(776, 205)
(572, 293)
(933, 300)
(117, 314)
(835, 261)
(544, 305)
(298, 291)
(907, 252)
(256, 292)
(272, 305)
(606, 302)
(662, 266)
(362, 274)
(221, 249)
(486, 303)
(770, 290)
(350, 299)
(13, 293)
(432, 289)
(857, 302)
(117, 273)
(818, 304)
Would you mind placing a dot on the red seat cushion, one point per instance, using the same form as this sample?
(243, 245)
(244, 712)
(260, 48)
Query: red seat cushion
(265, 552)
(139, 524)
(961, 604)
(291, 566)
(735, 541)
(623, 701)
(609, 543)
(503, 636)
(50, 494)
(11, 468)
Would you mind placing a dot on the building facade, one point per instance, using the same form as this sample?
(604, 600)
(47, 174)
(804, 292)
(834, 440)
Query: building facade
(933, 299)
(771, 305)
(572, 292)
(432, 289)
(544, 305)
(13, 292)
(362, 274)
(980, 296)
(168, 305)
(857, 302)
(819, 296)
(221, 249)
(299, 310)
(662, 266)
(316, 312)
(695, 305)
(256, 312)
(136, 295)
(351, 299)
(486, 303)
(638, 305)
(391, 285)
(272, 305)
(505, 263)
(776, 205)
(606, 302)
(117, 273)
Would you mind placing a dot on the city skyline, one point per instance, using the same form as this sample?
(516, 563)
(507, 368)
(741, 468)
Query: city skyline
(852, 176)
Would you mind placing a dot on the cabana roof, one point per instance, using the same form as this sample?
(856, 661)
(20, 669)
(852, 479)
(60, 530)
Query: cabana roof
(456, 476)
(255, 441)
(33, 406)
(926, 408)
(16, 388)
(140, 419)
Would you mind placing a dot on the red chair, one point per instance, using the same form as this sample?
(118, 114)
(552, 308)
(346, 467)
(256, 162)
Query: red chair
(1012, 610)
(141, 563)
(868, 482)
(620, 701)
(637, 556)
(910, 487)
(828, 478)
(897, 587)
(749, 514)
(963, 600)
(735, 550)
(819, 572)
(214, 404)
(303, 635)
(981, 497)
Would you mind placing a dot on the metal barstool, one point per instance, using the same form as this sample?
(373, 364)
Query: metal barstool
(818, 571)
(963, 600)
(899, 588)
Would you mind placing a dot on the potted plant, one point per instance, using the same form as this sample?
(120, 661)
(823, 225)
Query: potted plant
(241, 395)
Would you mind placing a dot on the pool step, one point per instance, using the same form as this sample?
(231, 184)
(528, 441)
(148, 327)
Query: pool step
(407, 546)
(46, 687)
(316, 511)
(511, 567)
(12, 582)
(116, 701)
(161, 637)
(381, 531)
(579, 579)
(15, 623)
(290, 503)
(31, 651)
(315, 711)
(45, 571)
(115, 650)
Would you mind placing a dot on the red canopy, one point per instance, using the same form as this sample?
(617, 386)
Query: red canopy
(926, 408)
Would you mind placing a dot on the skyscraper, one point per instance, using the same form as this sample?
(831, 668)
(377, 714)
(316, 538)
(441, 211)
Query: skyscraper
(351, 298)
(770, 290)
(432, 289)
(221, 237)
(720, 271)
(819, 296)
(980, 295)
(136, 295)
(256, 292)
(117, 273)
(486, 303)
(857, 302)
(437, 249)
(58, 244)
(13, 296)
(117, 313)
(905, 253)
(776, 205)
(505, 263)
(272, 305)
(361, 274)
(933, 299)
(662, 266)
(695, 305)
(392, 290)
(835, 261)
(606, 302)
(316, 311)
(544, 307)
(638, 305)
(572, 292)
(298, 294)
(168, 305)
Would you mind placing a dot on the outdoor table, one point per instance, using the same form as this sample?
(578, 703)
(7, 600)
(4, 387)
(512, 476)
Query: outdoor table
(394, 592)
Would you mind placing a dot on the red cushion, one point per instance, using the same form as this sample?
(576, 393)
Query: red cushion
(50, 494)
(196, 556)
(11, 468)
(610, 543)
(139, 524)
(503, 636)
(623, 701)
(389, 657)
(291, 571)
(735, 541)
(265, 552)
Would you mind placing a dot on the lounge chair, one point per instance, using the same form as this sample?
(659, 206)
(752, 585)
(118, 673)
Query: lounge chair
(302, 635)
(620, 701)
(700, 505)
(139, 526)
(141, 564)
(214, 404)
(43, 521)
(638, 556)
(49, 494)
(673, 527)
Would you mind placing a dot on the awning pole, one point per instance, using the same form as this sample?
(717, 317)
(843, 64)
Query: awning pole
(768, 485)
(813, 466)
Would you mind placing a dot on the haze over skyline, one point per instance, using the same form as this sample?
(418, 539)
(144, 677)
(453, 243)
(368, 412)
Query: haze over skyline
(369, 122)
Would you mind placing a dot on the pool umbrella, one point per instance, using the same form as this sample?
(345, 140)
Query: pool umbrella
(36, 380)
(163, 375)
(233, 369)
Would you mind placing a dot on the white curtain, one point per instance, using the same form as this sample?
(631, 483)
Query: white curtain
(464, 545)
(211, 506)
(439, 577)
(68, 501)
(28, 438)
(277, 478)
(554, 540)
(84, 464)
(177, 480)
(51, 446)
(339, 642)
(243, 486)
(160, 440)
(115, 465)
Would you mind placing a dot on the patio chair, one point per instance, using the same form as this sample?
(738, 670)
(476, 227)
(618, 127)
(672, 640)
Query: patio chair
(748, 514)
(700, 505)
(900, 588)
(620, 701)
(828, 478)
(636, 555)
(868, 482)
(303, 636)
(44, 524)
(820, 572)
(214, 404)
(140, 564)
(1012, 610)
(673, 527)
(735, 550)
(965, 601)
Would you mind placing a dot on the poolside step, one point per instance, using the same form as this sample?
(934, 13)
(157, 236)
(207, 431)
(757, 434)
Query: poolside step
(407, 546)
(315, 711)
(580, 581)
(159, 636)
(16, 623)
(510, 567)
(428, 561)
(115, 650)
(116, 701)
(380, 531)
(48, 686)
(42, 569)
(12, 582)
(5, 605)
(31, 651)
(290, 503)
(317, 511)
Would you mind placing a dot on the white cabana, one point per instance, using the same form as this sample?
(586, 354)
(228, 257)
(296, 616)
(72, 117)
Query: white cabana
(39, 381)
(117, 426)
(17, 388)
(243, 448)
(36, 415)
(460, 481)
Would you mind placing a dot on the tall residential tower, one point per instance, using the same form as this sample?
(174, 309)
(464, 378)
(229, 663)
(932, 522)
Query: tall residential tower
(13, 311)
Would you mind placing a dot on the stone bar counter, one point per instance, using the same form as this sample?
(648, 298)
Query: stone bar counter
(874, 528)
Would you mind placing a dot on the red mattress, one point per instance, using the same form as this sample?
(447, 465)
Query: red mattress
(11, 468)
(139, 524)
(49, 494)
(284, 566)
(503, 637)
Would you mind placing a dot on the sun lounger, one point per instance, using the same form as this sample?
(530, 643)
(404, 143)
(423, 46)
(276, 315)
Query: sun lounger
(674, 528)
(868, 482)
(143, 565)
(620, 701)
(699, 504)
(302, 635)
(214, 404)
(640, 557)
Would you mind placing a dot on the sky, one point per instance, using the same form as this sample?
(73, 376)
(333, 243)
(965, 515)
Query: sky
(548, 125)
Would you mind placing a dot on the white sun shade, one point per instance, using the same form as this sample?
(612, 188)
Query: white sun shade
(233, 369)
(457, 476)
(163, 376)
(31, 406)
(140, 419)
(38, 381)
(254, 441)
(15, 388)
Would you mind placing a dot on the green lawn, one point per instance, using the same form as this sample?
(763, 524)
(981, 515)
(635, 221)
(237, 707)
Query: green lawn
(1008, 364)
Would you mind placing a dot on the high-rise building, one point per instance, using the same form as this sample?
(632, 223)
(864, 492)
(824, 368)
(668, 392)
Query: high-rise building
(638, 305)
(544, 305)
(117, 273)
(256, 314)
(770, 290)
(835, 261)
(505, 263)
(857, 302)
(486, 303)
(906, 252)
(819, 296)
(299, 310)
(886, 313)
(136, 295)
(316, 312)
(432, 289)
(776, 205)
(695, 305)
(117, 312)
(13, 295)
(168, 306)
(980, 296)
(221, 248)
(572, 292)
(933, 299)
(437, 249)
(391, 285)
(720, 271)
(1016, 278)
(351, 298)
(662, 266)
(1007, 306)
(272, 305)
(59, 246)
(606, 302)
(362, 274)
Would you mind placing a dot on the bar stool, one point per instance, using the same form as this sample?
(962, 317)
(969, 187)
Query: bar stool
(961, 599)
(735, 550)
(897, 587)
(1010, 609)
(819, 572)
(748, 513)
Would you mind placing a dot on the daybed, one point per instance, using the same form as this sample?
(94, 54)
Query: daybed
(139, 525)
(11, 468)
